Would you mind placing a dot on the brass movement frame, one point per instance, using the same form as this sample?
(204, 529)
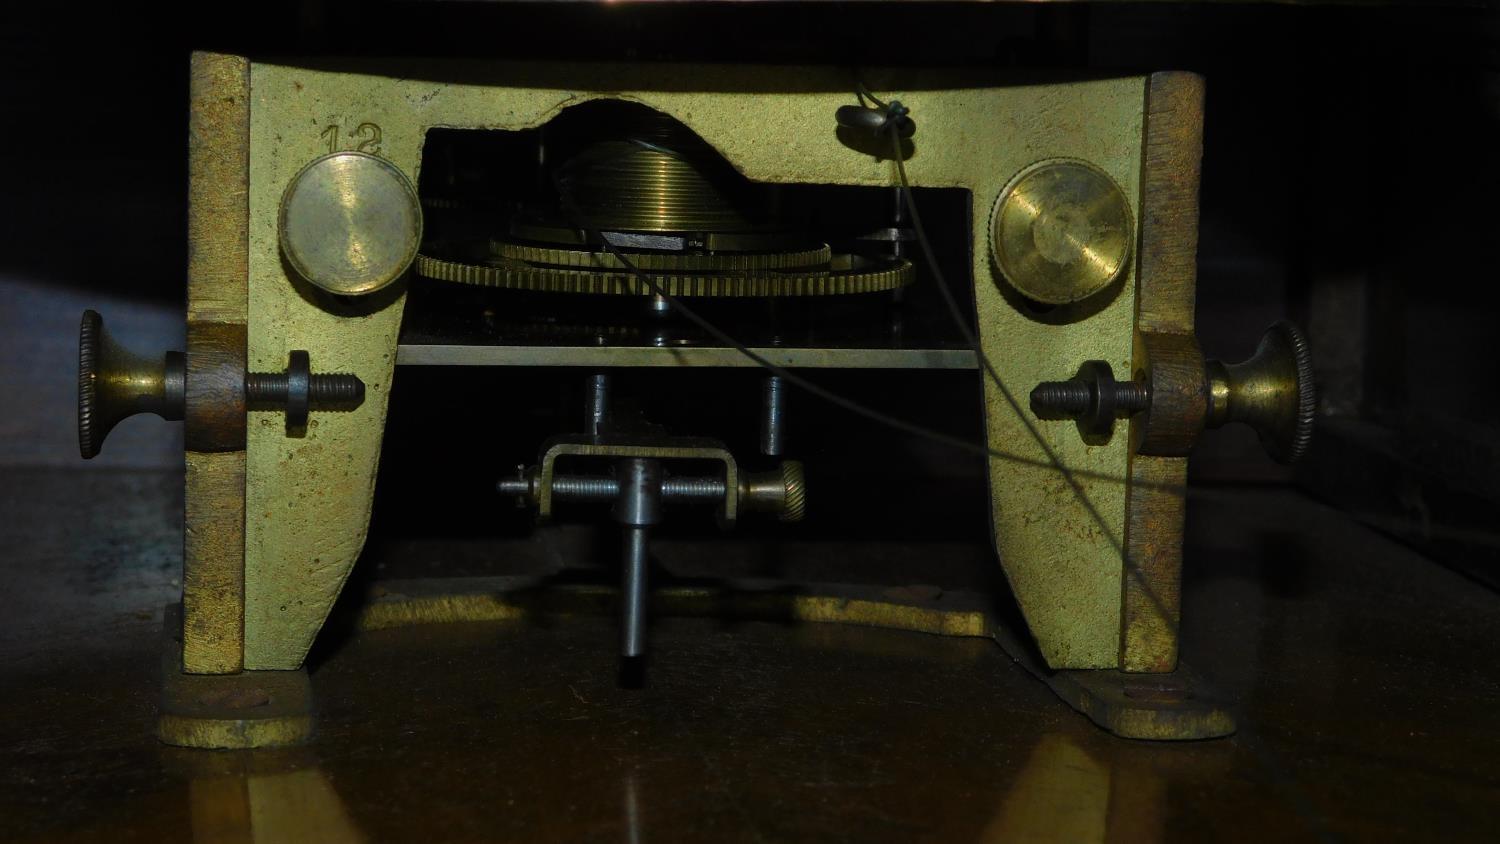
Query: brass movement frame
(273, 530)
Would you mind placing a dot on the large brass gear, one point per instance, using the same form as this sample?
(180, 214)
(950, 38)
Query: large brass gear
(844, 274)
(671, 262)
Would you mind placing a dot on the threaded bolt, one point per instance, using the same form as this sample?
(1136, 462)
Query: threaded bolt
(298, 390)
(1132, 396)
(1074, 398)
(330, 391)
(588, 488)
(1061, 398)
(1093, 398)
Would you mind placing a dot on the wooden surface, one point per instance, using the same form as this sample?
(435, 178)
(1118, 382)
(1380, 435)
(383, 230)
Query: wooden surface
(213, 581)
(1355, 728)
(1150, 612)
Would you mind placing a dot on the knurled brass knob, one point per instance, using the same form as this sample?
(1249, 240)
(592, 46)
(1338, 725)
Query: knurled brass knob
(1273, 392)
(114, 382)
(781, 491)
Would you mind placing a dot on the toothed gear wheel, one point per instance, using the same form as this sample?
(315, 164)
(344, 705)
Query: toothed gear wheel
(845, 275)
(667, 262)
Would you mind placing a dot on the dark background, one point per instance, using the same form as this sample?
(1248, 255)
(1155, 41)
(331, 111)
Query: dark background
(1349, 181)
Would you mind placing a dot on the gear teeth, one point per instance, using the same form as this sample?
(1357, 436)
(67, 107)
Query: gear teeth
(1307, 391)
(795, 509)
(723, 262)
(513, 275)
(90, 333)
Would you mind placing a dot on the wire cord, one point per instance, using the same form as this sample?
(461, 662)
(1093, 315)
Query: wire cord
(1070, 475)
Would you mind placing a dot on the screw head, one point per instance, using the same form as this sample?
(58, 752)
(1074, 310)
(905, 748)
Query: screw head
(350, 223)
(1061, 231)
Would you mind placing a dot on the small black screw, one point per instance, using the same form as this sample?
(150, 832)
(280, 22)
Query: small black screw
(298, 391)
(1093, 398)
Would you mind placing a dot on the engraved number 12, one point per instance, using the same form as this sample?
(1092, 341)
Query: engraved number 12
(366, 138)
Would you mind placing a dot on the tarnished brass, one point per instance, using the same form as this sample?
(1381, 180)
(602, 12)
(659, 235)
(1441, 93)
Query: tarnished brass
(1273, 392)
(1179, 394)
(651, 173)
(218, 287)
(1061, 231)
(782, 492)
(350, 223)
(637, 186)
(844, 274)
(1171, 367)
(1058, 533)
(713, 242)
(641, 182)
(1167, 278)
(114, 383)
(774, 126)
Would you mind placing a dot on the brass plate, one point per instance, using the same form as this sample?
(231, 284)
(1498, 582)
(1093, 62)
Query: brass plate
(228, 711)
(773, 125)
(1061, 231)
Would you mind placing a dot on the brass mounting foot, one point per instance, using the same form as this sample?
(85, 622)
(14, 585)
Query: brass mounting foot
(229, 711)
(1156, 707)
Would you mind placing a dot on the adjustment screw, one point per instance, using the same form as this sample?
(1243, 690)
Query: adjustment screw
(1093, 398)
(298, 391)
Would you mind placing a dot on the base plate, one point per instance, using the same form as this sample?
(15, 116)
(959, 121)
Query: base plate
(274, 708)
(229, 711)
(1178, 706)
(1161, 707)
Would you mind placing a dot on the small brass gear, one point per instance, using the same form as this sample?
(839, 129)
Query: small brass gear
(844, 274)
(721, 262)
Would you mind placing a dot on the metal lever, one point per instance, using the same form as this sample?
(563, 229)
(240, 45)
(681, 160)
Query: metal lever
(638, 489)
(637, 509)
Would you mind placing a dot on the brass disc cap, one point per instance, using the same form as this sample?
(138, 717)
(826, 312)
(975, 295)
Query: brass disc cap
(350, 223)
(1061, 231)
